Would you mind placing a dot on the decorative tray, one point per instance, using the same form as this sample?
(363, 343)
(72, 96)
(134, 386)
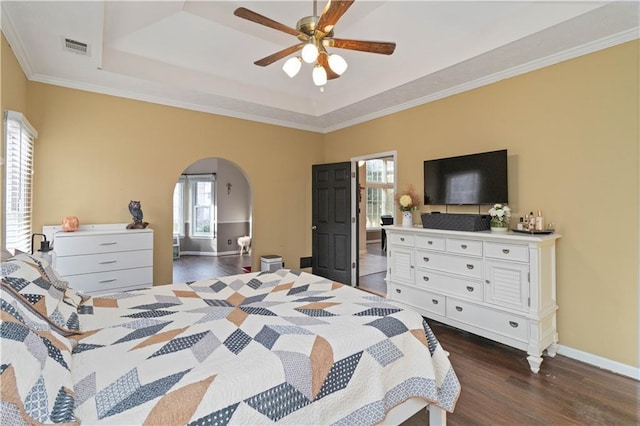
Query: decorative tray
(533, 232)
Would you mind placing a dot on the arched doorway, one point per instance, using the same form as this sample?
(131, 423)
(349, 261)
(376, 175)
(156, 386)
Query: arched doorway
(211, 211)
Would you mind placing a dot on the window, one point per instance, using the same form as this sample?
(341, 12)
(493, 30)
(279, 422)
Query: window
(19, 137)
(194, 204)
(378, 190)
(178, 208)
(202, 208)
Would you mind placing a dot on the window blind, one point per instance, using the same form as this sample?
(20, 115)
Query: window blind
(19, 137)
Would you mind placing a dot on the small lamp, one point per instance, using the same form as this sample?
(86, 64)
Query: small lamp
(337, 64)
(45, 246)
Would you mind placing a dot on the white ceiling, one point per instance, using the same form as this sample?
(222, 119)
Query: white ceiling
(198, 55)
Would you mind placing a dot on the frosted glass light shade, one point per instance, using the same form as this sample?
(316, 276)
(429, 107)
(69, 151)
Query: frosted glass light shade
(292, 66)
(309, 53)
(319, 75)
(337, 64)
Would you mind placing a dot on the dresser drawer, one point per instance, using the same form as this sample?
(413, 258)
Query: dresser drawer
(419, 298)
(468, 247)
(502, 323)
(73, 245)
(502, 251)
(112, 281)
(88, 263)
(461, 265)
(401, 239)
(429, 242)
(460, 287)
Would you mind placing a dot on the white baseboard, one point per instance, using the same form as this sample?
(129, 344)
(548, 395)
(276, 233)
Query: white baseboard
(598, 361)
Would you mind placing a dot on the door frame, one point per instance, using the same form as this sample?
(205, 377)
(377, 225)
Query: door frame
(355, 250)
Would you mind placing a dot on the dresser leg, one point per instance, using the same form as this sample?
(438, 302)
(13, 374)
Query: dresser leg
(552, 350)
(534, 363)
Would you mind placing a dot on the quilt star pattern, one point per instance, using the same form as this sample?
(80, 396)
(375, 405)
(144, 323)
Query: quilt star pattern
(287, 347)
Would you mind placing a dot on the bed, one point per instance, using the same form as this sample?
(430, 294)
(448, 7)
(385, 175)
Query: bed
(283, 347)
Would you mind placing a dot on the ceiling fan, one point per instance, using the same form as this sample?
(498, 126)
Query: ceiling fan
(315, 34)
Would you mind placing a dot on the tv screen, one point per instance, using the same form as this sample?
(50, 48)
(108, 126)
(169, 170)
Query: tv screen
(467, 179)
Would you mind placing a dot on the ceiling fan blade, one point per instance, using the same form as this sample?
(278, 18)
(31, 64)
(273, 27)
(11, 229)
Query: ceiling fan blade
(381, 47)
(323, 59)
(331, 14)
(263, 20)
(268, 60)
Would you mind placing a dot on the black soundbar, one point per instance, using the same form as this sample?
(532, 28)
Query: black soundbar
(456, 222)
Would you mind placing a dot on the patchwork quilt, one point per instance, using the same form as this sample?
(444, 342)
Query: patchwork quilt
(287, 347)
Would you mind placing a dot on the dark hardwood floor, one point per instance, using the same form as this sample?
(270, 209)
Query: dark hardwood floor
(497, 386)
(193, 268)
(499, 389)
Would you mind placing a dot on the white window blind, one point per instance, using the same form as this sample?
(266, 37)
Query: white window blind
(19, 137)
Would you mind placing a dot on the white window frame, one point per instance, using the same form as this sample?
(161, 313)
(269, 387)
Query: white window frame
(385, 185)
(17, 200)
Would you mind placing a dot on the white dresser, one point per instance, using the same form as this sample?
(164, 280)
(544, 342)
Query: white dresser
(98, 259)
(501, 286)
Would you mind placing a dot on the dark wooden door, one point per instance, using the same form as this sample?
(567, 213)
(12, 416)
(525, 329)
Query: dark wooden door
(331, 221)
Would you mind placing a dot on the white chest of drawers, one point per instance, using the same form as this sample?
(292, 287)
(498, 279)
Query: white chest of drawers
(98, 259)
(499, 286)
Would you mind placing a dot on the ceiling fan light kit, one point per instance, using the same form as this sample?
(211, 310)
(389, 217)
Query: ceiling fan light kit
(319, 75)
(292, 66)
(315, 33)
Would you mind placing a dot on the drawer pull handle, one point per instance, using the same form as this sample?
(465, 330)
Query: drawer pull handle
(505, 251)
(398, 290)
(469, 266)
(401, 239)
(459, 308)
(425, 278)
(435, 301)
(469, 288)
(464, 246)
(487, 281)
(513, 324)
(107, 281)
(107, 262)
(430, 243)
(108, 244)
(426, 259)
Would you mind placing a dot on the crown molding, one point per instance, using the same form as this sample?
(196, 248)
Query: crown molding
(9, 31)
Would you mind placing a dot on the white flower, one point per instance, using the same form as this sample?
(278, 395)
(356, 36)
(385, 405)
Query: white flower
(405, 201)
(501, 212)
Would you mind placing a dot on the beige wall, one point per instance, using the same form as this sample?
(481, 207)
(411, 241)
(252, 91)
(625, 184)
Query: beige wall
(572, 135)
(571, 131)
(95, 153)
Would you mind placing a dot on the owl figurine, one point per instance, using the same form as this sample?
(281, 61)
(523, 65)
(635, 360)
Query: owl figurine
(136, 212)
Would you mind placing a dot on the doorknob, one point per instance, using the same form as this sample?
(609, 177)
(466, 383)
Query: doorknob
(313, 228)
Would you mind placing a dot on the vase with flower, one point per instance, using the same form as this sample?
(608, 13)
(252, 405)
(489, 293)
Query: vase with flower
(500, 217)
(408, 202)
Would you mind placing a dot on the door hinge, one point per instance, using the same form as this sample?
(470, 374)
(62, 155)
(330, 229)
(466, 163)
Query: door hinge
(353, 175)
(528, 277)
(353, 220)
(353, 265)
(529, 301)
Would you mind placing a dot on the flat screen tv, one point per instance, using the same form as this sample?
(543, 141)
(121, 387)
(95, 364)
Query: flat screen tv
(467, 179)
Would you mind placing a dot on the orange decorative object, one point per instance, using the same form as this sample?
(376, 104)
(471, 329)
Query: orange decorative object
(70, 223)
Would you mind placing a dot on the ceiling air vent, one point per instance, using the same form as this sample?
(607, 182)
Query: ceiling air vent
(75, 46)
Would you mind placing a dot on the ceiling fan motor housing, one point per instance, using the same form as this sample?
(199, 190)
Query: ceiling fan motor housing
(307, 25)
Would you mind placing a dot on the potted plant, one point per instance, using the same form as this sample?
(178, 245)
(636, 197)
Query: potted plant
(408, 202)
(500, 217)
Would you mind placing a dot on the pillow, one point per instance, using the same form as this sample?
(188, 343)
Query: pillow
(35, 377)
(24, 279)
(5, 254)
(43, 265)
